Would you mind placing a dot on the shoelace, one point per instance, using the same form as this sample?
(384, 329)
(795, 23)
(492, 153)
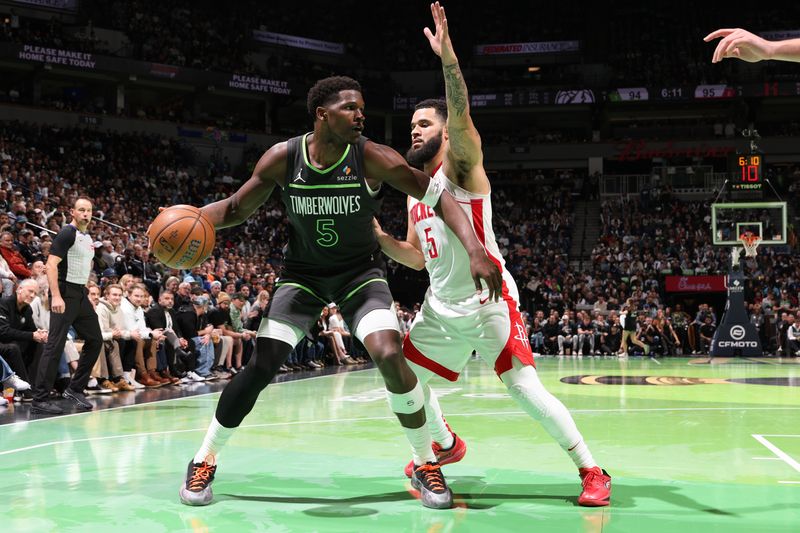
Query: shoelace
(433, 476)
(200, 476)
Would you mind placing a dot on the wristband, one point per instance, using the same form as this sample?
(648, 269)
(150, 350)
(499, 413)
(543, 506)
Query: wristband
(434, 192)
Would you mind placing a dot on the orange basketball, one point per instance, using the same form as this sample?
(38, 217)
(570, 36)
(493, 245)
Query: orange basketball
(181, 236)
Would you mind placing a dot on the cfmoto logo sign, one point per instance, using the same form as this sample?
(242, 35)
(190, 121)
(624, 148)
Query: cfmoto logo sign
(737, 333)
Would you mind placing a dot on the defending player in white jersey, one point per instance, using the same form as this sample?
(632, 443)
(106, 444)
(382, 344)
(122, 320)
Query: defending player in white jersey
(455, 317)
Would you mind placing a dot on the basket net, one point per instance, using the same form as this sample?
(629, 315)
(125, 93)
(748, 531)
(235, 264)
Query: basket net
(750, 241)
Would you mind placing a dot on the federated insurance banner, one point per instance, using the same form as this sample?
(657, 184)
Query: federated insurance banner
(544, 47)
(695, 284)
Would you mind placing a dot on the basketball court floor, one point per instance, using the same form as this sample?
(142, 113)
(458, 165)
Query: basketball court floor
(691, 446)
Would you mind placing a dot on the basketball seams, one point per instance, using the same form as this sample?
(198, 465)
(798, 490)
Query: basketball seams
(194, 215)
(188, 235)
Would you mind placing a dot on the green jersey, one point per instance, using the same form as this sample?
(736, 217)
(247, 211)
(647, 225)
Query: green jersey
(330, 211)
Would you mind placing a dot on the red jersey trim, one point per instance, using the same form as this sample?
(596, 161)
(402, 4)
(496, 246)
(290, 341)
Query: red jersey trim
(415, 356)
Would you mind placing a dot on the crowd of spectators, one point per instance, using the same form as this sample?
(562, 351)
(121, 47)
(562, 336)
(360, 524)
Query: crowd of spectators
(128, 176)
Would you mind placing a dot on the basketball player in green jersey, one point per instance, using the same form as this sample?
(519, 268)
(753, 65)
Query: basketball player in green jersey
(331, 183)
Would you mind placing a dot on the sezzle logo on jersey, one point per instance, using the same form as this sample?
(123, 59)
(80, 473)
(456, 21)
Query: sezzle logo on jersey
(421, 211)
(348, 175)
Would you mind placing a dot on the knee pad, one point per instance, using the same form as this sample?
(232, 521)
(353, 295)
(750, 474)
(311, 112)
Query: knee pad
(408, 402)
(531, 402)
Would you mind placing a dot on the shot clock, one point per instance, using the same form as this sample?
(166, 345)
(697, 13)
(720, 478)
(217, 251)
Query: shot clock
(747, 172)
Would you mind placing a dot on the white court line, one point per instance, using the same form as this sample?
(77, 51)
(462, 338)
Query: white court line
(777, 451)
(363, 419)
(790, 482)
(52, 418)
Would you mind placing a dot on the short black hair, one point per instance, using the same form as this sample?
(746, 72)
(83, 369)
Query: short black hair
(324, 91)
(437, 104)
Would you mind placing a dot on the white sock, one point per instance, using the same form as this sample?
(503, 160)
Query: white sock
(524, 386)
(581, 455)
(92, 382)
(436, 423)
(421, 444)
(216, 437)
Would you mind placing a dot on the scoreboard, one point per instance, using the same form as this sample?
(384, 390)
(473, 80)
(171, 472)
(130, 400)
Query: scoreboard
(747, 172)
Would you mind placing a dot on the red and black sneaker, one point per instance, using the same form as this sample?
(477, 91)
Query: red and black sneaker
(433, 490)
(453, 454)
(596, 487)
(196, 488)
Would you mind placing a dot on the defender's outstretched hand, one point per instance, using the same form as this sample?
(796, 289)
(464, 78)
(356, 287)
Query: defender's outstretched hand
(740, 44)
(440, 41)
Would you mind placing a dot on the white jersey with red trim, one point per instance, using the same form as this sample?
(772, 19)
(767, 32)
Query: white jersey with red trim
(446, 258)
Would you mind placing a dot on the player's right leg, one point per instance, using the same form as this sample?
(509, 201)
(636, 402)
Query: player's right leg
(274, 343)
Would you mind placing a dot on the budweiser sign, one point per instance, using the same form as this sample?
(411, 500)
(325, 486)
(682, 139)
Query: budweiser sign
(695, 284)
(638, 150)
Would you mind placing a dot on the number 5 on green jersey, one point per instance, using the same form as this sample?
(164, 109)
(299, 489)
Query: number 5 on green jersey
(328, 236)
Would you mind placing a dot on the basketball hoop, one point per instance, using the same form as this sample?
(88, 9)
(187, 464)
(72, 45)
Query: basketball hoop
(750, 241)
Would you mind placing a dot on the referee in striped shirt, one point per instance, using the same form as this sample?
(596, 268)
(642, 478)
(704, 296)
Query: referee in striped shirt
(68, 269)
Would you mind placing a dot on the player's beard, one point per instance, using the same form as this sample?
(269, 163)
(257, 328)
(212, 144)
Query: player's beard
(419, 156)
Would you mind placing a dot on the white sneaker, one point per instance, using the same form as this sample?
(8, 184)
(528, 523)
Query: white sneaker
(192, 375)
(3, 401)
(16, 383)
(132, 382)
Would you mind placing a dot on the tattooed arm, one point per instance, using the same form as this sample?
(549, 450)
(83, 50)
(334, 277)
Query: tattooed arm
(465, 142)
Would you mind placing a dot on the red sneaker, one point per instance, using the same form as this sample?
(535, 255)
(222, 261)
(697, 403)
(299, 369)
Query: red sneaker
(444, 457)
(596, 487)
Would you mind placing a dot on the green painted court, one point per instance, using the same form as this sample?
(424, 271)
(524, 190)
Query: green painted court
(704, 453)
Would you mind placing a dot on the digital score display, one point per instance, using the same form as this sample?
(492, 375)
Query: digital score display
(747, 172)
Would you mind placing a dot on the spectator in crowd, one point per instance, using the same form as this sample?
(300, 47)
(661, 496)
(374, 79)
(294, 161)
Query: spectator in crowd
(20, 339)
(112, 325)
(16, 262)
(792, 337)
(161, 317)
(193, 325)
(707, 333)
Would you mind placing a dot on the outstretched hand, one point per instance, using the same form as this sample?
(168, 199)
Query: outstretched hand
(440, 41)
(740, 44)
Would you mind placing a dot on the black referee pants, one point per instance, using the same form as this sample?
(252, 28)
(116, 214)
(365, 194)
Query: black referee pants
(79, 313)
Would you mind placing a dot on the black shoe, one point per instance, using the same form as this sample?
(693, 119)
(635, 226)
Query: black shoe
(46, 408)
(433, 490)
(24, 396)
(78, 399)
(196, 488)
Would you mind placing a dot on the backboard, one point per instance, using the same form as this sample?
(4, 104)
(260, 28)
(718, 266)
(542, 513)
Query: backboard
(765, 219)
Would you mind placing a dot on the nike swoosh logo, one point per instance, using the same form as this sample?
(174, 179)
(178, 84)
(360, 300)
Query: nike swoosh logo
(483, 300)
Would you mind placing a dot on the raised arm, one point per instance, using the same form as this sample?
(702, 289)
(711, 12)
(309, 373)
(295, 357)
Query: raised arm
(386, 165)
(465, 142)
(741, 44)
(408, 252)
(235, 209)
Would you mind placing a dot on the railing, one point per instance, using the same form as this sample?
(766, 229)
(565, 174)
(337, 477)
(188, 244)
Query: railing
(625, 184)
